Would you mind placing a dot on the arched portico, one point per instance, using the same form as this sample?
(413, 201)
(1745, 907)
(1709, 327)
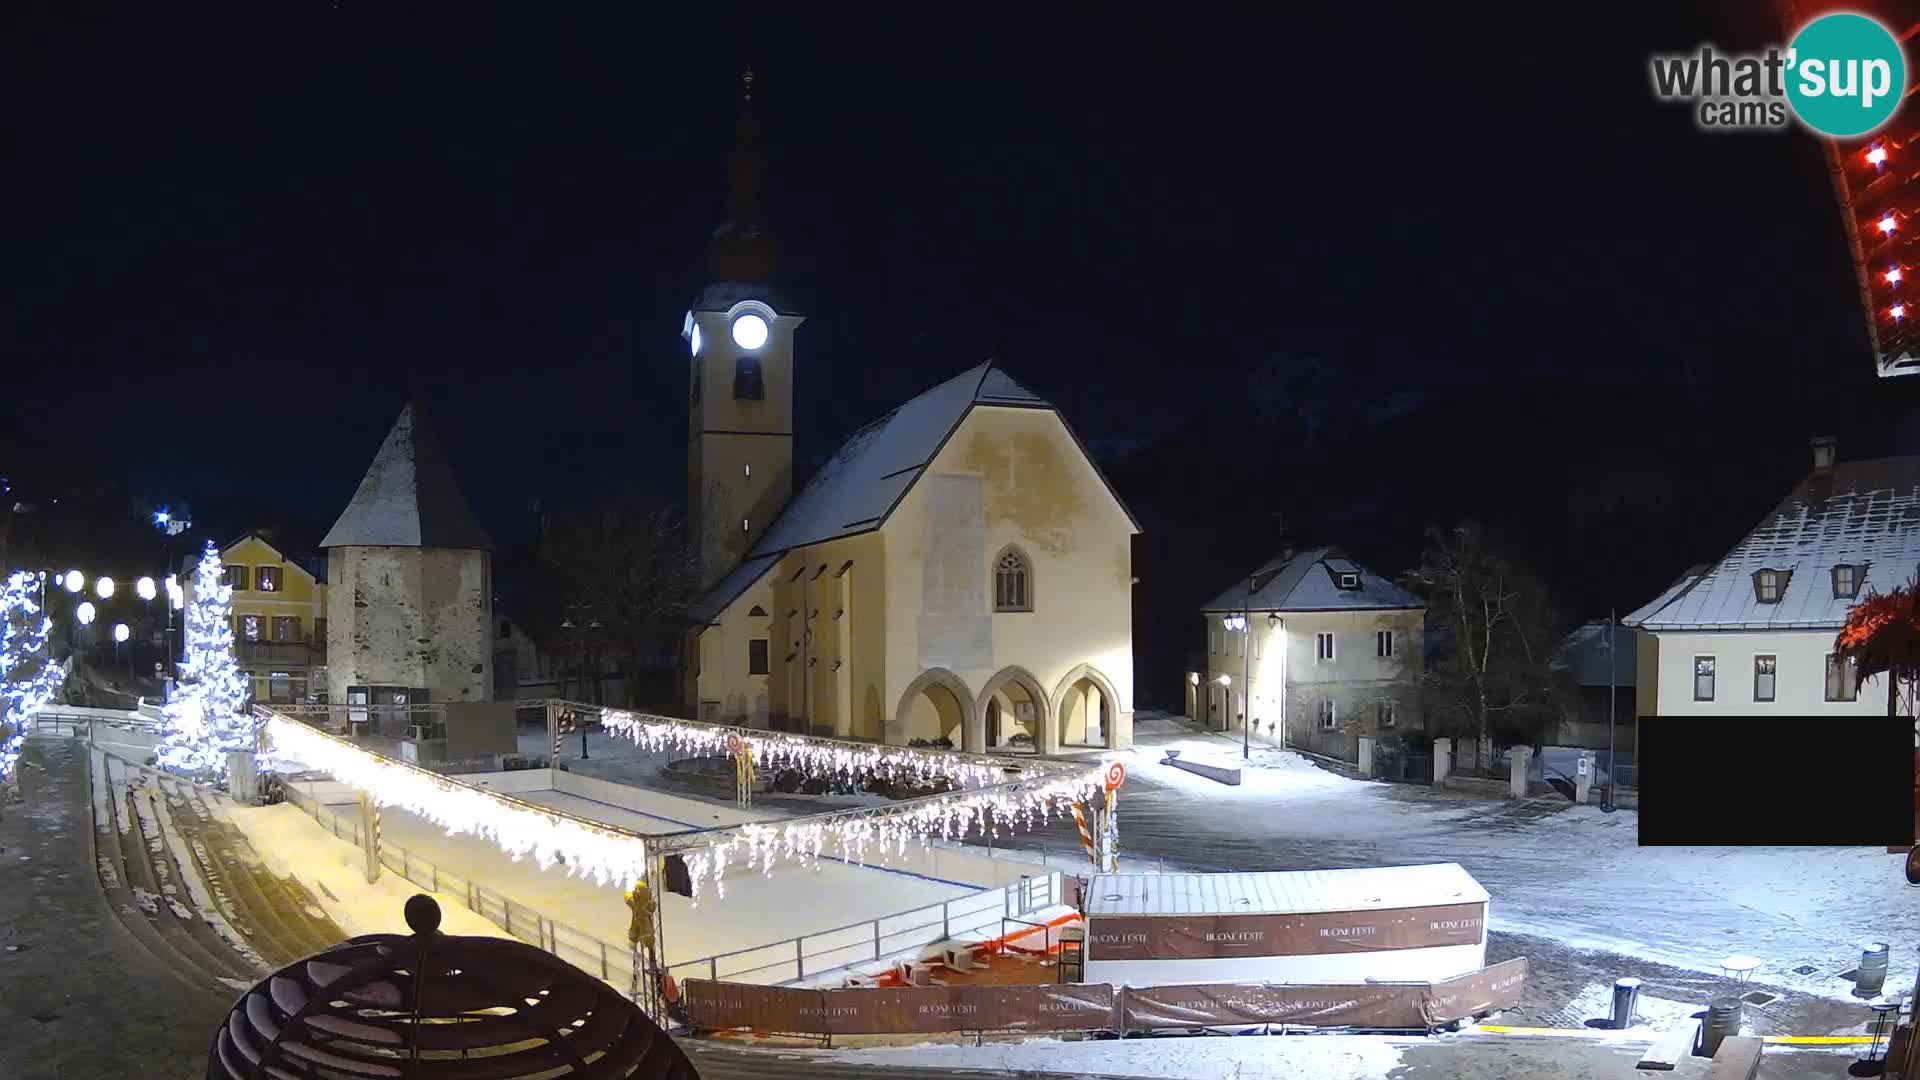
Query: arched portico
(937, 704)
(1011, 691)
(1086, 710)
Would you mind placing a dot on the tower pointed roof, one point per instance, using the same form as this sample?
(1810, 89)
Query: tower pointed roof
(742, 249)
(409, 497)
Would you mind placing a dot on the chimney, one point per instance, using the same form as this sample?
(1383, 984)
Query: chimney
(1826, 448)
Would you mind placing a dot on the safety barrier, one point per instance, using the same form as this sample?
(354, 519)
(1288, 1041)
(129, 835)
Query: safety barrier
(1126, 1010)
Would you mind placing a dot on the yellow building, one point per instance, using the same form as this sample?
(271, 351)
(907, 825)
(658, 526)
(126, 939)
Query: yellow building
(959, 570)
(279, 619)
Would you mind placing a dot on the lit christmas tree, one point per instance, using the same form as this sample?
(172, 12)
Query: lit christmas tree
(208, 714)
(28, 675)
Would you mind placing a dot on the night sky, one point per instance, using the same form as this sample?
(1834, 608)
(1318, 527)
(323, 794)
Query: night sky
(236, 239)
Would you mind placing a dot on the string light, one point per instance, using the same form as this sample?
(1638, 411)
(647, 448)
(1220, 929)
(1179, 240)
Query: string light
(608, 856)
(74, 581)
(104, 587)
(1898, 311)
(1877, 155)
(1893, 276)
(1887, 224)
(84, 612)
(120, 632)
(145, 588)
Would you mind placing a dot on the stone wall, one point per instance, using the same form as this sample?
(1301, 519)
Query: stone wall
(415, 617)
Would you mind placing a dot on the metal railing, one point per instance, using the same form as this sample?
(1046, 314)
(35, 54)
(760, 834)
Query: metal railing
(611, 962)
(75, 722)
(812, 955)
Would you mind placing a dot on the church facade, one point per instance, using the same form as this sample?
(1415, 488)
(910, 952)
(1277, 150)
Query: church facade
(959, 572)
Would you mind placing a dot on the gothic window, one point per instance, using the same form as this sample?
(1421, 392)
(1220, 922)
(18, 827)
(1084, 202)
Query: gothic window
(746, 379)
(1012, 581)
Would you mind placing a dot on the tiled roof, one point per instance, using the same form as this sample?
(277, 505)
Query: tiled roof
(1305, 582)
(409, 497)
(1584, 655)
(1861, 513)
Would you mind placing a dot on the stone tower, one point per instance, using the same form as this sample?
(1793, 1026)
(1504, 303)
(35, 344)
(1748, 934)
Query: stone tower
(410, 601)
(740, 395)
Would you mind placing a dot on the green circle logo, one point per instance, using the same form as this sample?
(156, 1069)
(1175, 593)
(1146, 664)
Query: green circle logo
(1846, 75)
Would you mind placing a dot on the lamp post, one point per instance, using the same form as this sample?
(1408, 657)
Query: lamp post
(1246, 673)
(1612, 689)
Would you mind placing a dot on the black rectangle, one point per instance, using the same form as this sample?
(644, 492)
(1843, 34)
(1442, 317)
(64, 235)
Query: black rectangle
(1775, 781)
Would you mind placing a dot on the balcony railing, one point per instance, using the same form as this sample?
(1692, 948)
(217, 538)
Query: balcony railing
(283, 653)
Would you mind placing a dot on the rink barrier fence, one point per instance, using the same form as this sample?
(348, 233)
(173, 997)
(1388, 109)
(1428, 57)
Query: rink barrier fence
(1124, 1010)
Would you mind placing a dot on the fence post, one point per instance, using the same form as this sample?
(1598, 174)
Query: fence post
(946, 922)
(603, 959)
(713, 968)
(876, 939)
(799, 958)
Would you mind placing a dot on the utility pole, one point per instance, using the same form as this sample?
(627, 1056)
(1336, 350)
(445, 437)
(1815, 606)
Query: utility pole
(1246, 673)
(1613, 680)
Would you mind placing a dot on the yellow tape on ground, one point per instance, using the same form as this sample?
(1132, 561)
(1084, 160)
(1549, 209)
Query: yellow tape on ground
(1796, 1040)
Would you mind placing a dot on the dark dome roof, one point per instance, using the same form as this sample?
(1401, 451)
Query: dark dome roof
(486, 1009)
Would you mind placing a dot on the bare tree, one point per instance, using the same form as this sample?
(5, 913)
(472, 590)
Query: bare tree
(1497, 634)
(625, 563)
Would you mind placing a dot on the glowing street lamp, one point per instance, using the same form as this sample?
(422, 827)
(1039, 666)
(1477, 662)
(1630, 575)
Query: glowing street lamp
(74, 581)
(146, 588)
(104, 587)
(84, 612)
(120, 632)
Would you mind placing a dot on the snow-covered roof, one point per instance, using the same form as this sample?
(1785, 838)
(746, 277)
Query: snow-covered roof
(409, 497)
(1308, 581)
(1859, 513)
(1680, 585)
(1372, 888)
(1584, 654)
(857, 489)
(728, 589)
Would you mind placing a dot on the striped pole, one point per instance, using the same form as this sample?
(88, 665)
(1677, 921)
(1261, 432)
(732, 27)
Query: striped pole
(1086, 834)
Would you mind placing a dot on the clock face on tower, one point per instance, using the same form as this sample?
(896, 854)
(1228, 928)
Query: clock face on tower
(695, 338)
(749, 331)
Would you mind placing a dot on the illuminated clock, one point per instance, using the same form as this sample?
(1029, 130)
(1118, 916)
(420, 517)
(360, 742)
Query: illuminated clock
(749, 331)
(695, 338)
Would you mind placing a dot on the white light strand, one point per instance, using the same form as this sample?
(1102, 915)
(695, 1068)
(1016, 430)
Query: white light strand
(28, 676)
(849, 838)
(207, 716)
(850, 762)
(610, 858)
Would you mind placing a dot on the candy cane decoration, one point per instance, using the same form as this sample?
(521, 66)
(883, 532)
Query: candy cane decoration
(1086, 834)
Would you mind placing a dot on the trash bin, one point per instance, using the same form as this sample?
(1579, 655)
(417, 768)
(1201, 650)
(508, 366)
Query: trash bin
(1723, 1020)
(1626, 996)
(1873, 970)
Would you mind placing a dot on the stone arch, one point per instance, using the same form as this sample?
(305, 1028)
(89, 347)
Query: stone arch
(952, 705)
(1064, 713)
(1021, 682)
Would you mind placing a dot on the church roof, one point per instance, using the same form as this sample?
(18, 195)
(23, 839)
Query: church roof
(858, 488)
(409, 497)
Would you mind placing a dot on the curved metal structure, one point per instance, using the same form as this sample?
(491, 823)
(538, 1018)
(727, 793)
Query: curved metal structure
(433, 1005)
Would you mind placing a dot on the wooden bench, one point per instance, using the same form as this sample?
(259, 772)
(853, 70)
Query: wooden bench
(1738, 1059)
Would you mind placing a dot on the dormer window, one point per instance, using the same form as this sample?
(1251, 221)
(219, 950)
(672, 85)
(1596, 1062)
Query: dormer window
(1349, 581)
(1846, 581)
(1769, 585)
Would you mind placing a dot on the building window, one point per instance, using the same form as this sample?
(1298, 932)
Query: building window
(757, 656)
(320, 631)
(247, 627)
(746, 379)
(1768, 585)
(1843, 678)
(1846, 581)
(236, 577)
(286, 628)
(1012, 581)
(1763, 672)
(1383, 644)
(1329, 717)
(1349, 581)
(1323, 647)
(266, 578)
(1703, 678)
(506, 629)
(1385, 712)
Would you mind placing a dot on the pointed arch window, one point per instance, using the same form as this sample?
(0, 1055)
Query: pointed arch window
(746, 379)
(1012, 580)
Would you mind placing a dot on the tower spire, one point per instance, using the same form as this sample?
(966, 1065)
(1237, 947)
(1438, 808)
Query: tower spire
(741, 248)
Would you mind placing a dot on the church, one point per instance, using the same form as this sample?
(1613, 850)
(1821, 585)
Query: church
(959, 573)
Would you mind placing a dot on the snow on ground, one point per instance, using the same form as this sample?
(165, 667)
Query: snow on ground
(1324, 1057)
(1651, 1015)
(291, 844)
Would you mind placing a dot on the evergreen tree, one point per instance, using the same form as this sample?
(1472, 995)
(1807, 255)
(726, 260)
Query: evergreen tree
(208, 715)
(28, 675)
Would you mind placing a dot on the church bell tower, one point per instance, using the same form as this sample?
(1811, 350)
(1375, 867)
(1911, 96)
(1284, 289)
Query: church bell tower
(739, 333)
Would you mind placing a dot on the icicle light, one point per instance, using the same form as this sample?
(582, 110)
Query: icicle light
(519, 829)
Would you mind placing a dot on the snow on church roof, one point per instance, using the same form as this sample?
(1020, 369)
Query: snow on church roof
(1860, 513)
(858, 488)
(409, 497)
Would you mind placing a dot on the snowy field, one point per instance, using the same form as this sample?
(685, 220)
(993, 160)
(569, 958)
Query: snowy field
(1348, 1057)
(757, 909)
